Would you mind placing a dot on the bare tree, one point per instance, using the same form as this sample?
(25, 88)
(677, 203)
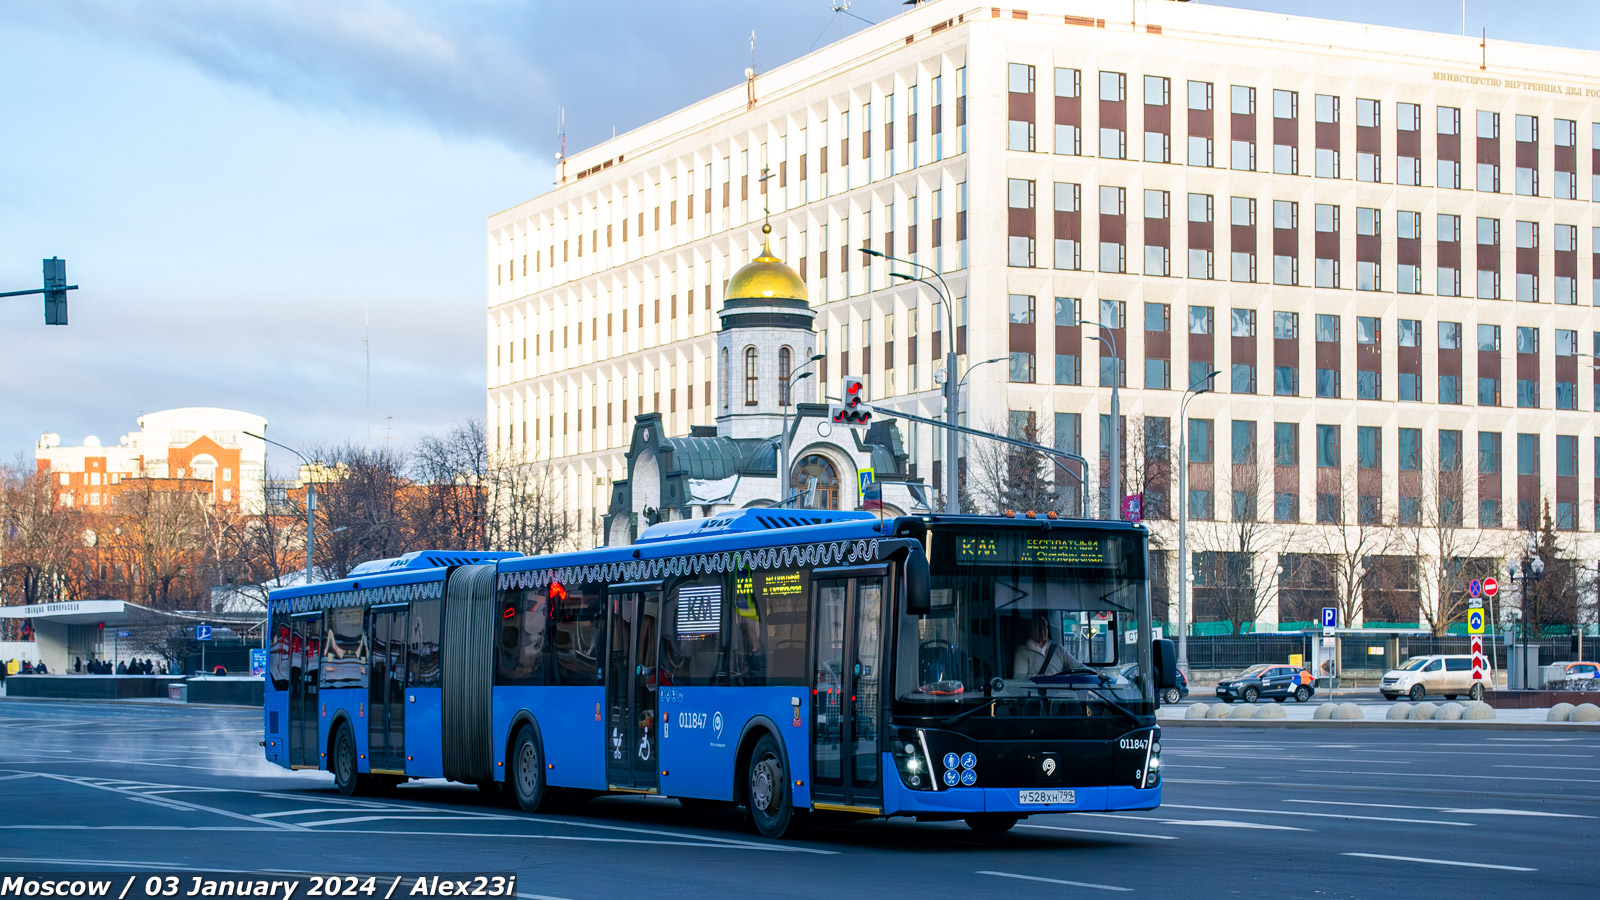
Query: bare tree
(1431, 528)
(528, 512)
(1551, 598)
(41, 541)
(1344, 548)
(450, 503)
(157, 542)
(361, 513)
(1238, 559)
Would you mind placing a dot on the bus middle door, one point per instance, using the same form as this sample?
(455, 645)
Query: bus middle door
(632, 746)
(845, 761)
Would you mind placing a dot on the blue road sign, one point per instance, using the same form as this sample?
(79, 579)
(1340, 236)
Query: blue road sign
(1330, 617)
(1475, 588)
(202, 632)
(1475, 622)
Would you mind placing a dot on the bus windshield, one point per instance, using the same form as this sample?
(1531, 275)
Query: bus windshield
(1034, 624)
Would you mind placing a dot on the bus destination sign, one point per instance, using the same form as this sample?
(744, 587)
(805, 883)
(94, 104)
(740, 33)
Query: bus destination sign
(1006, 549)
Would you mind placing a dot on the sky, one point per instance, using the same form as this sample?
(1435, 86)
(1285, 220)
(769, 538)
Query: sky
(256, 195)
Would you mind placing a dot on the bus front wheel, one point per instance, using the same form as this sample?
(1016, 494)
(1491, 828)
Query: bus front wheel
(768, 803)
(527, 771)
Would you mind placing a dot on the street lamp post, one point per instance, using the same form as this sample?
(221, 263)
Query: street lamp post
(1195, 390)
(1114, 485)
(783, 441)
(952, 389)
(1520, 571)
(311, 501)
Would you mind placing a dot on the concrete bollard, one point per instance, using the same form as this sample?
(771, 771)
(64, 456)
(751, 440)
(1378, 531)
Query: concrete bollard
(1349, 711)
(1243, 711)
(1585, 712)
(1423, 711)
(1271, 712)
(1401, 710)
(1559, 712)
(1325, 711)
(1448, 712)
(1477, 710)
(1219, 711)
(1197, 711)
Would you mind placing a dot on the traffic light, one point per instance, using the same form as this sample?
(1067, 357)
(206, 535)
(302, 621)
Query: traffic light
(850, 413)
(55, 291)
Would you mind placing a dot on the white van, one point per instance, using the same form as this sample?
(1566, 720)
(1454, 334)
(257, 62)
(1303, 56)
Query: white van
(1451, 676)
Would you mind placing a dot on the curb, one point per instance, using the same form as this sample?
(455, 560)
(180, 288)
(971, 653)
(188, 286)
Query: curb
(1480, 725)
(147, 703)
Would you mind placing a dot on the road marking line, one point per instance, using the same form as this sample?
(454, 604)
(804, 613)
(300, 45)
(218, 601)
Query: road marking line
(18, 775)
(1296, 812)
(678, 834)
(1474, 753)
(1441, 862)
(1552, 768)
(1082, 884)
(709, 843)
(1132, 834)
(1230, 823)
(1449, 809)
(1430, 775)
(445, 816)
(287, 826)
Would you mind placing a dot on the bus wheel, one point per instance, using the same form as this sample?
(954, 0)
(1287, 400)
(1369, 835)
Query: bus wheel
(343, 763)
(527, 771)
(768, 804)
(991, 823)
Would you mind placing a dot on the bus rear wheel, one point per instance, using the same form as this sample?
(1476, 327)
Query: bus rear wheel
(992, 823)
(343, 761)
(769, 805)
(527, 771)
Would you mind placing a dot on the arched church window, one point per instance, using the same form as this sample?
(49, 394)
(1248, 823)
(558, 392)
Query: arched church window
(817, 466)
(749, 376)
(785, 361)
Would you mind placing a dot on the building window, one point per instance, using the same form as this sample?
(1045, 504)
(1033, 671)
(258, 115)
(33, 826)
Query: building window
(1327, 336)
(1069, 112)
(750, 376)
(1113, 219)
(1368, 250)
(1202, 240)
(1449, 147)
(1068, 225)
(1021, 222)
(1489, 150)
(1327, 134)
(785, 362)
(1020, 133)
(1200, 124)
(1113, 115)
(1157, 119)
(1242, 131)
(1242, 218)
(1368, 162)
(1285, 242)
(1285, 132)
(1327, 245)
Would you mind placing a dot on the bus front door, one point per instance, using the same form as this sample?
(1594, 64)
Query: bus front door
(386, 708)
(845, 759)
(305, 662)
(631, 735)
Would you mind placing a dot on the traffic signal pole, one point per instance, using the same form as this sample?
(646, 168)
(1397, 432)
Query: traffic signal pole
(1056, 455)
(54, 291)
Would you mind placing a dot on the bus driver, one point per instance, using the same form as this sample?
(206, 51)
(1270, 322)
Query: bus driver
(1038, 655)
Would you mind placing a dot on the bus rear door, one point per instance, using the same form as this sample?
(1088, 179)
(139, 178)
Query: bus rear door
(631, 680)
(845, 757)
(305, 669)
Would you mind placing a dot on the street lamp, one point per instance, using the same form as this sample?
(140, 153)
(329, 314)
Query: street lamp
(783, 441)
(952, 499)
(1195, 390)
(1114, 488)
(1519, 571)
(311, 500)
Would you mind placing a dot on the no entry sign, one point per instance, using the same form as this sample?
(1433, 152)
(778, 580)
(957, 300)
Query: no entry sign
(1490, 587)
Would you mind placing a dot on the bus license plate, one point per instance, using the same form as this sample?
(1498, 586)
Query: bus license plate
(1044, 798)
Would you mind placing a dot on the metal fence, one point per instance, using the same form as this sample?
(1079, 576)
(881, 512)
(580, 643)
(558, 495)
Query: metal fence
(1359, 653)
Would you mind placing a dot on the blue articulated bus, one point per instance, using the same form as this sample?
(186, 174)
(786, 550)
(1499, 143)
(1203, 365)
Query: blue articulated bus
(783, 661)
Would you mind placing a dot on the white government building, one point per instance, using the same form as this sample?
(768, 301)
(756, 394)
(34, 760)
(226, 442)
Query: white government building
(1300, 198)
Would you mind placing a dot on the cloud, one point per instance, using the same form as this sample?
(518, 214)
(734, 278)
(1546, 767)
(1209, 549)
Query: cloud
(356, 57)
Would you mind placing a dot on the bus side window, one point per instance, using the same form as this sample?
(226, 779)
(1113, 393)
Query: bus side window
(422, 669)
(524, 616)
(345, 653)
(693, 636)
(576, 636)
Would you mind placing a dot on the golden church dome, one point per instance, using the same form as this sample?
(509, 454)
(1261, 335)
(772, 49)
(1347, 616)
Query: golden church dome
(766, 277)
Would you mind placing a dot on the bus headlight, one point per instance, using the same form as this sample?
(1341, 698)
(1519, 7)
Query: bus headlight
(911, 759)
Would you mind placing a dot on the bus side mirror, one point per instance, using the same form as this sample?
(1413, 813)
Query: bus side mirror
(1165, 656)
(918, 597)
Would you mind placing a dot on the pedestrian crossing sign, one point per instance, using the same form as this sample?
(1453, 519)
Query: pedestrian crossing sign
(1475, 621)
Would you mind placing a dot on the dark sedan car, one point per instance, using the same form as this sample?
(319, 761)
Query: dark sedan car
(1266, 680)
(1168, 697)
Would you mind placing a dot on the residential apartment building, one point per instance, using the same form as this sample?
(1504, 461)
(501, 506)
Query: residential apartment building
(1385, 241)
(204, 448)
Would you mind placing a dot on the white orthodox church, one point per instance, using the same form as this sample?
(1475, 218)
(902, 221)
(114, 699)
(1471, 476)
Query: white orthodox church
(764, 379)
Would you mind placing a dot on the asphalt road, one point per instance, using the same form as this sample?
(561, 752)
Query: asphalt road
(1350, 811)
